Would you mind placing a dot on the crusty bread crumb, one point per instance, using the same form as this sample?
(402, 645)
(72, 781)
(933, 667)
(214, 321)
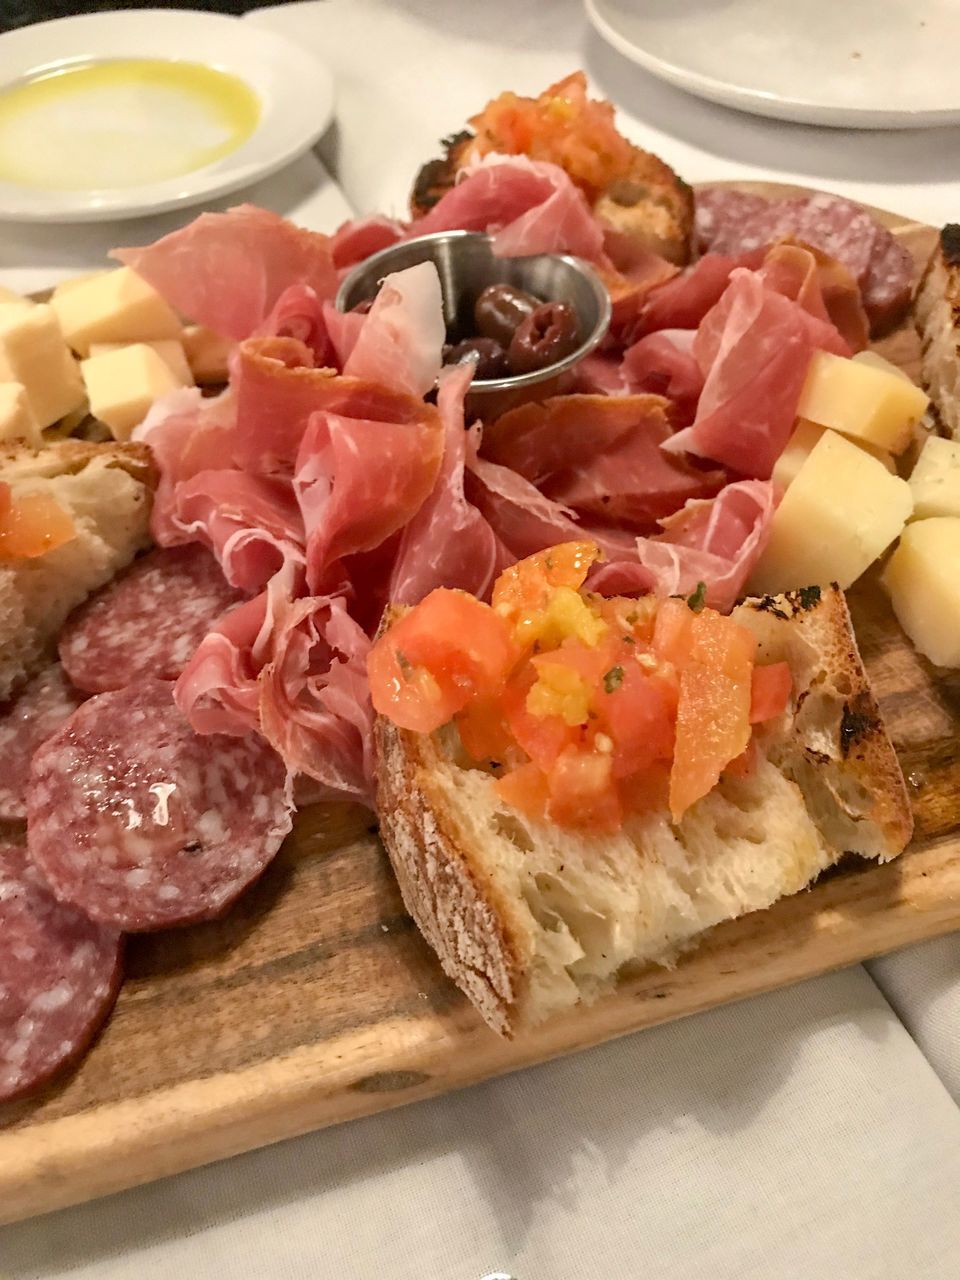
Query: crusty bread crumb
(529, 919)
(936, 312)
(106, 488)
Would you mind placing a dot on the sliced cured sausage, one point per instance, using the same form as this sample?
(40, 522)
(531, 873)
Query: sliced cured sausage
(38, 710)
(59, 977)
(148, 622)
(141, 823)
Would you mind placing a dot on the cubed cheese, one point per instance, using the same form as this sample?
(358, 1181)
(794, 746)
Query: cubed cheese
(876, 361)
(113, 306)
(8, 296)
(123, 384)
(169, 350)
(840, 513)
(924, 587)
(33, 352)
(935, 481)
(16, 418)
(861, 401)
(800, 445)
(207, 354)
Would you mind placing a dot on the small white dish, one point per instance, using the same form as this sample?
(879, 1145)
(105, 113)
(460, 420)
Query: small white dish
(844, 63)
(294, 91)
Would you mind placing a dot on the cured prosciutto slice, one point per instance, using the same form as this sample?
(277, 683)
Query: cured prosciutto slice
(299, 313)
(682, 302)
(448, 543)
(715, 541)
(400, 343)
(819, 284)
(359, 238)
(530, 206)
(663, 364)
(754, 348)
(599, 455)
(227, 270)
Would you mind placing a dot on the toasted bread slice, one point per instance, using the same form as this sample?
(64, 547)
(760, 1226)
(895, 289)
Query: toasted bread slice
(651, 206)
(107, 490)
(529, 919)
(937, 315)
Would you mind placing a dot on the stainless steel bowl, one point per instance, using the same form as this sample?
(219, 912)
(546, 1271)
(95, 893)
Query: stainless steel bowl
(466, 265)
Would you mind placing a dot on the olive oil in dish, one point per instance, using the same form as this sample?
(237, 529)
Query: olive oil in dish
(121, 123)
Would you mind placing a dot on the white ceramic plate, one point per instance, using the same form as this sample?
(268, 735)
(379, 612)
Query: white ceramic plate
(869, 64)
(294, 89)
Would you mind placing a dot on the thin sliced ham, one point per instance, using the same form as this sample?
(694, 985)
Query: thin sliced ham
(448, 543)
(821, 285)
(715, 541)
(754, 348)
(599, 455)
(530, 206)
(299, 313)
(400, 343)
(681, 303)
(359, 238)
(227, 270)
(663, 364)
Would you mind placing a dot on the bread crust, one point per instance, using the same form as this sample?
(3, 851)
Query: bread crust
(936, 313)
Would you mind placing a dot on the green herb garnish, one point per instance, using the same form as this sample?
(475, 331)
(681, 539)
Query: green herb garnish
(613, 679)
(698, 599)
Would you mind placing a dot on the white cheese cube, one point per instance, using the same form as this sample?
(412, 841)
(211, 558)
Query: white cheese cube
(33, 352)
(800, 445)
(170, 350)
(861, 401)
(935, 480)
(924, 587)
(8, 296)
(16, 419)
(840, 513)
(113, 306)
(207, 354)
(123, 384)
(876, 361)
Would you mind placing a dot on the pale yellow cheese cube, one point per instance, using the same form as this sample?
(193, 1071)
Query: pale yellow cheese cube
(207, 354)
(33, 352)
(935, 480)
(16, 419)
(924, 587)
(72, 282)
(840, 513)
(800, 445)
(168, 349)
(877, 361)
(113, 306)
(8, 296)
(123, 384)
(861, 401)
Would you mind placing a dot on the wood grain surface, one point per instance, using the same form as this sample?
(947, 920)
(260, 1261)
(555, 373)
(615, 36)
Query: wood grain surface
(315, 1001)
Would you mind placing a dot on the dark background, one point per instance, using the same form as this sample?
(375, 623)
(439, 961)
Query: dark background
(17, 13)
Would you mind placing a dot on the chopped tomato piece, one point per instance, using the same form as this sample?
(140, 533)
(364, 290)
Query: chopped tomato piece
(637, 711)
(583, 792)
(526, 789)
(713, 713)
(673, 631)
(744, 764)
(770, 691)
(542, 737)
(647, 790)
(484, 732)
(525, 587)
(630, 617)
(6, 500)
(32, 525)
(447, 649)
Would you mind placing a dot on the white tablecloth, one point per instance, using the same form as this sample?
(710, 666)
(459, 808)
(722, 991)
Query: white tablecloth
(808, 1133)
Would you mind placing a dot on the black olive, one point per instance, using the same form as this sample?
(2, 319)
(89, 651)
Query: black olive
(548, 335)
(500, 309)
(490, 357)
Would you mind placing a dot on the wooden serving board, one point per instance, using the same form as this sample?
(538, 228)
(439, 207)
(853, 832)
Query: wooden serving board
(315, 1001)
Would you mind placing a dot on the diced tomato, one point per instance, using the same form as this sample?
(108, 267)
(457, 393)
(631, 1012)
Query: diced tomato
(526, 789)
(32, 525)
(483, 730)
(673, 631)
(638, 713)
(627, 616)
(6, 500)
(770, 691)
(583, 792)
(541, 737)
(646, 791)
(713, 713)
(526, 586)
(744, 764)
(447, 649)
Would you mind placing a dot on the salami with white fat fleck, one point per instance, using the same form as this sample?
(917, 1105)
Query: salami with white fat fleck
(38, 710)
(148, 622)
(59, 977)
(142, 823)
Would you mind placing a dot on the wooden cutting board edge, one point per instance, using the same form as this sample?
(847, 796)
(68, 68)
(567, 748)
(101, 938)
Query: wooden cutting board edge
(846, 918)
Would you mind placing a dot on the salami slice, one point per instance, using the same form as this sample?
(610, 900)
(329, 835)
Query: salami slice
(889, 284)
(38, 710)
(720, 213)
(148, 622)
(59, 977)
(141, 823)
